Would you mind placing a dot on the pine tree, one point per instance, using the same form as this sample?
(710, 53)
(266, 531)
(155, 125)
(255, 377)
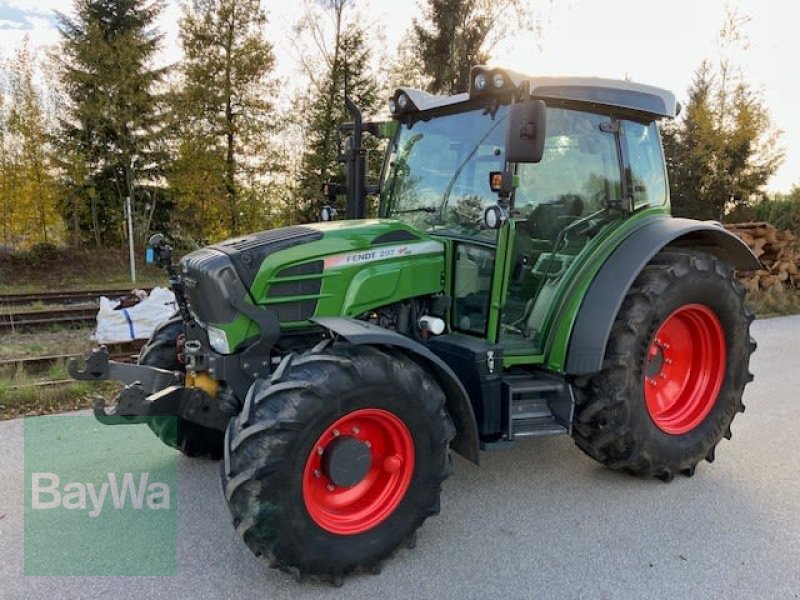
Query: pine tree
(347, 71)
(406, 68)
(32, 216)
(113, 115)
(6, 178)
(224, 113)
(456, 35)
(723, 150)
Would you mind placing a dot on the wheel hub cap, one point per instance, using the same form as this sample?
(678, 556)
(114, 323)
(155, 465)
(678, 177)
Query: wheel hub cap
(346, 461)
(358, 471)
(684, 368)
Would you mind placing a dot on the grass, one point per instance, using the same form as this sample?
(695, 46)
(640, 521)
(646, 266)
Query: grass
(55, 341)
(22, 393)
(53, 268)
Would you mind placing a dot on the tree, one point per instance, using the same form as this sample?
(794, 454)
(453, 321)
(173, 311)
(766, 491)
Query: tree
(7, 168)
(29, 211)
(113, 115)
(225, 113)
(406, 68)
(342, 44)
(455, 35)
(723, 150)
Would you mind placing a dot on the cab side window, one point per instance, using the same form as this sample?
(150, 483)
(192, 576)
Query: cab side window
(578, 174)
(646, 159)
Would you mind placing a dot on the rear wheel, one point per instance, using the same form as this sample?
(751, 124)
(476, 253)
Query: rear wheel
(674, 372)
(338, 460)
(191, 439)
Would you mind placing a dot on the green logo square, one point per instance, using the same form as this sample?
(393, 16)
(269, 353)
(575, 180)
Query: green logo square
(99, 499)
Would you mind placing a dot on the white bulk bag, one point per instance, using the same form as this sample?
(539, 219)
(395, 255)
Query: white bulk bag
(136, 322)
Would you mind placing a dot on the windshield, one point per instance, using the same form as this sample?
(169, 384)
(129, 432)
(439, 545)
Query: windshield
(438, 173)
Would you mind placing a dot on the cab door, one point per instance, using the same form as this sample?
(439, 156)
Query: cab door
(559, 206)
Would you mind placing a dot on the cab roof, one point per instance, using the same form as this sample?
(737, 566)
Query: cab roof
(645, 99)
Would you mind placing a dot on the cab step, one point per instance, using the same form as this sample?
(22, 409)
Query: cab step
(535, 405)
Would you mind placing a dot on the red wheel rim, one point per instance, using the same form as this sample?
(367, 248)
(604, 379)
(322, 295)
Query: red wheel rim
(349, 510)
(684, 368)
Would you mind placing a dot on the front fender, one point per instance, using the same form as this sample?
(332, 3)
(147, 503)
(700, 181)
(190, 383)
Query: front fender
(458, 402)
(607, 291)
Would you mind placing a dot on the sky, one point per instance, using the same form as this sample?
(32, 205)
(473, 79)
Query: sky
(659, 43)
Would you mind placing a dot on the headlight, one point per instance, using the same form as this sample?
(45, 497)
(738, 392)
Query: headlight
(402, 101)
(218, 340)
(392, 106)
(480, 82)
(499, 80)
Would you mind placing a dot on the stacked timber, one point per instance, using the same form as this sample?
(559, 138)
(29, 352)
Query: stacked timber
(777, 250)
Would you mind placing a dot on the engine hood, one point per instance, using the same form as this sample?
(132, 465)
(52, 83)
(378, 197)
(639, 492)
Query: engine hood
(326, 269)
(335, 249)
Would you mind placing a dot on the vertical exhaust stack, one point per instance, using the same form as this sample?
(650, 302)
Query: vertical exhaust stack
(355, 159)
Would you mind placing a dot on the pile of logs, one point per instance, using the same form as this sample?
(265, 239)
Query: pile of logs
(777, 250)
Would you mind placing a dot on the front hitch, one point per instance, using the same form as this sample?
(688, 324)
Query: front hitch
(98, 367)
(150, 392)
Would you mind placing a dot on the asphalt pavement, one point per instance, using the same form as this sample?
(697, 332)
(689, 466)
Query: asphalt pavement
(538, 521)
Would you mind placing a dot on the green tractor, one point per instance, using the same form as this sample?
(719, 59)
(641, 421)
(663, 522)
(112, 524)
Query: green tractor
(525, 278)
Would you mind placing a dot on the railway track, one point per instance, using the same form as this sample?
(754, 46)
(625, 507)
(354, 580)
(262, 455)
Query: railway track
(71, 297)
(123, 352)
(29, 320)
(59, 309)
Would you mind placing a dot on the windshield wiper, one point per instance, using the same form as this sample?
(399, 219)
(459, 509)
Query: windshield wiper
(427, 209)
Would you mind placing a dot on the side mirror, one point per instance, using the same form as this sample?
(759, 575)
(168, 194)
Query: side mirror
(526, 131)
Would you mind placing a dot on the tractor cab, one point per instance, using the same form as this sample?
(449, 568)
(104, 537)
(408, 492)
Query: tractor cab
(580, 156)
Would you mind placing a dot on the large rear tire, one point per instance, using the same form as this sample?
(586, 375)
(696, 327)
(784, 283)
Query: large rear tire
(337, 460)
(674, 371)
(193, 440)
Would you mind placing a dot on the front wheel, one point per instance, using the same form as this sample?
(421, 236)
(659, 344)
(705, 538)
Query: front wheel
(674, 372)
(338, 460)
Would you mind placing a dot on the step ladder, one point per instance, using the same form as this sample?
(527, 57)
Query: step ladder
(537, 406)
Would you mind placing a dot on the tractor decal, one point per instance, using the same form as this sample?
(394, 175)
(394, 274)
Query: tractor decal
(384, 253)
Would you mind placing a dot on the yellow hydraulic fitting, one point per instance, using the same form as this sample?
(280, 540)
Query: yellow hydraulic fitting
(203, 381)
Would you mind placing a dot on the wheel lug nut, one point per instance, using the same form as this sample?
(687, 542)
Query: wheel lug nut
(330, 487)
(336, 433)
(356, 430)
(317, 473)
(392, 463)
(663, 375)
(668, 361)
(368, 444)
(320, 450)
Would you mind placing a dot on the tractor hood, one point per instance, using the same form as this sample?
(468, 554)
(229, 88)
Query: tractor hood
(342, 268)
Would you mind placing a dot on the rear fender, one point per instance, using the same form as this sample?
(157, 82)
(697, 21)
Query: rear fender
(607, 291)
(458, 403)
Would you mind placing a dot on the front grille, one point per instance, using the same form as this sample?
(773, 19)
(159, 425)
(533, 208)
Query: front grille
(294, 311)
(302, 309)
(300, 287)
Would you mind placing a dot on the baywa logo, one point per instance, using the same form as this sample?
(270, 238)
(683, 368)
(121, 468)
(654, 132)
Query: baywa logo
(46, 493)
(99, 499)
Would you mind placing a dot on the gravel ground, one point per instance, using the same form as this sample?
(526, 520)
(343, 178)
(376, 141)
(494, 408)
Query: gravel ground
(541, 520)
